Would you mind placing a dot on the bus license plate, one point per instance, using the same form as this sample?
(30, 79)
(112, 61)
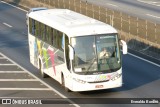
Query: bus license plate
(99, 86)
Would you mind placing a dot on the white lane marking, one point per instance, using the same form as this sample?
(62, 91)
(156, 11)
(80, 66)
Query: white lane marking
(26, 89)
(7, 24)
(51, 88)
(18, 80)
(154, 2)
(144, 60)
(112, 5)
(158, 17)
(6, 64)
(149, 2)
(12, 72)
(14, 6)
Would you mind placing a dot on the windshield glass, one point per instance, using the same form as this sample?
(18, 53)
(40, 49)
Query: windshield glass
(96, 53)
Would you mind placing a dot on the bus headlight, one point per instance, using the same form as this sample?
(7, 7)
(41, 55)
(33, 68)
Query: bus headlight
(79, 80)
(115, 77)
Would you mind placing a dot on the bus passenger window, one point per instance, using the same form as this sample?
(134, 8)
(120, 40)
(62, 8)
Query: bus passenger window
(67, 52)
(33, 27)
(51, 36)
(54, 37)
(37, 28)
(43, 33)
(59, 39)
(30, 25)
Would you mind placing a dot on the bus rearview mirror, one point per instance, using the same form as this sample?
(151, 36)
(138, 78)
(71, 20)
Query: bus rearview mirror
(124, 47)
(71, 52)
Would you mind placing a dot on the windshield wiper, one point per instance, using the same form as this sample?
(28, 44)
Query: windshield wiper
(90, 65)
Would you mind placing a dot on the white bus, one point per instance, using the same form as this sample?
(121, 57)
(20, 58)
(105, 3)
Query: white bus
(79, 52)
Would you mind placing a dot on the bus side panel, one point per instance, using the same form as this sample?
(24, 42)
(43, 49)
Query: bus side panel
(52, 59)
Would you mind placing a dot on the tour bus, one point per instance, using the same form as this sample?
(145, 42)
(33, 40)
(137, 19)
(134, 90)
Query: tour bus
(79, 52)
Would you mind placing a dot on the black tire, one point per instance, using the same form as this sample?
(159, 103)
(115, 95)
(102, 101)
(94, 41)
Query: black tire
(63, 84)
(41, 71)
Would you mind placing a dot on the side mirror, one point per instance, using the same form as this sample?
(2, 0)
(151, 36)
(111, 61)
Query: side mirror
(71, 52)
(124, 47)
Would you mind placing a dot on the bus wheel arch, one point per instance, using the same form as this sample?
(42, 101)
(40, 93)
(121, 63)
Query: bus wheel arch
(63, 83)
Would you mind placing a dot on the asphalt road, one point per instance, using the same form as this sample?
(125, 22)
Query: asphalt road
(145, 9)
(18, 86)
(141, 78)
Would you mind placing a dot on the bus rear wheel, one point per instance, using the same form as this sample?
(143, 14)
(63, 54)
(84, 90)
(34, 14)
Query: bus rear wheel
(63, 84)
(41, 70)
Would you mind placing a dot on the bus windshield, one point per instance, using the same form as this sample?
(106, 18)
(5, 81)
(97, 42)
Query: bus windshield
(96, 54)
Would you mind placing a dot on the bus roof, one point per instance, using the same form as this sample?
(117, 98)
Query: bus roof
(71, 23)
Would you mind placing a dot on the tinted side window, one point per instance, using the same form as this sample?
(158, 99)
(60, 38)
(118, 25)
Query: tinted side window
(59, 40)
(51, 36)
(43, 32)
(55, 37)
(37, 28)
(67, 52)
(48, 34)
(32, 26)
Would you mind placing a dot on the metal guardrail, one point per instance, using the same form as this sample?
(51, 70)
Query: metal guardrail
(139, 33)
